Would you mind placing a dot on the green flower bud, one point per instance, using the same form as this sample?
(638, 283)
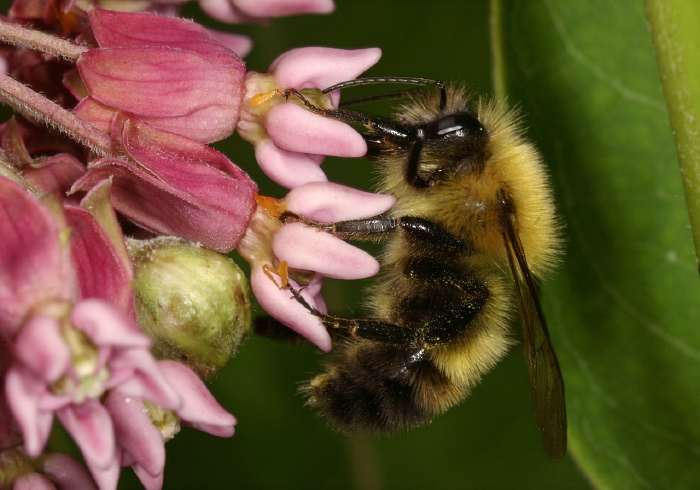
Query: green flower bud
(194, 303)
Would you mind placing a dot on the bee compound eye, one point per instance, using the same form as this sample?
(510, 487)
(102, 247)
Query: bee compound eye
(460, 125)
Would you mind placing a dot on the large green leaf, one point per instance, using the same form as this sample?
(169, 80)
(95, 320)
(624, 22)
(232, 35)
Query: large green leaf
(625, 307)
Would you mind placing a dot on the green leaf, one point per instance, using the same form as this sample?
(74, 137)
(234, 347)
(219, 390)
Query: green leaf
(624, 309)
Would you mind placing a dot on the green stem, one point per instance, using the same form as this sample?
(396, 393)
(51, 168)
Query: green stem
(674, 30)
(498, 69)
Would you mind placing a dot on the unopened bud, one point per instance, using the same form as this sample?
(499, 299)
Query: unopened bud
(194, 303)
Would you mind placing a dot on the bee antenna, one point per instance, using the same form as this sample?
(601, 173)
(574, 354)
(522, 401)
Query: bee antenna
(407, 80)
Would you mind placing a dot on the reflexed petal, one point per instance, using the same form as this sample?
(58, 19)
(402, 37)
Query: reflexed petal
(199, 99)
(309, 249)
(289, 169)
(199, 408)
(197, 202)
(327, 202)
(138, 30)
(34, 264)
(294, 128)
(282, 306)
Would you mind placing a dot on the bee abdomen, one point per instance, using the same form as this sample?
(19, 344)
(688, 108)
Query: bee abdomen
(378, 389)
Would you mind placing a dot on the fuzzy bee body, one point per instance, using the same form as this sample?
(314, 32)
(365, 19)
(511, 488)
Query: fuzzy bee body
(474, 221)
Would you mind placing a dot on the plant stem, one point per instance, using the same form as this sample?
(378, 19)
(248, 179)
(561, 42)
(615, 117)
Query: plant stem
(38, 108)
(33, 39)
(498, 75)
(674, 30)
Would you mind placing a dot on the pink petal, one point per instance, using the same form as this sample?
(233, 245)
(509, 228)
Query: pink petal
(34, 264)
(23, 391)
(317, 67)
(282, 306)
(294, 128)
(145, 380)
(279, 8)
(41, 348)
(327, 202)
(90, 426)
(307, 248)
(106, 325)
(103, 271)
(289, 169)
(67, 472)
(136, 433)
(199, 409)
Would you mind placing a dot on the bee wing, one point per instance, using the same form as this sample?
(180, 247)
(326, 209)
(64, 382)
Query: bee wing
(545, 376)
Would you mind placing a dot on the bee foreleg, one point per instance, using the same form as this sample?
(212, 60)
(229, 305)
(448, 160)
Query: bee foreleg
(419, 229)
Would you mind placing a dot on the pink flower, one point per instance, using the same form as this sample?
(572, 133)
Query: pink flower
(68, 354)
(167, 72)
(267, 242)
(237, 11)
(171, 185)
(291, 142)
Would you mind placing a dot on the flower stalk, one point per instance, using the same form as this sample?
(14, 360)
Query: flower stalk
(38, 108)
(32, 39)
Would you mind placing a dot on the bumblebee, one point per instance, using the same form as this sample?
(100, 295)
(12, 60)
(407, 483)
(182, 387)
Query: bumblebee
(473, 225)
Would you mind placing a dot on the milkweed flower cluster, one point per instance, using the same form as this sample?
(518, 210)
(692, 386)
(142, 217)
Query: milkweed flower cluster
(115, 299)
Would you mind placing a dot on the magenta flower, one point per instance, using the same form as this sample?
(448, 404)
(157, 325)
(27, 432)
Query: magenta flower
(171, 185)
(291, 142)
(167, 72)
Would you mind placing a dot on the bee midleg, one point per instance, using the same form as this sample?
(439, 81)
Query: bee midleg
(366, 328)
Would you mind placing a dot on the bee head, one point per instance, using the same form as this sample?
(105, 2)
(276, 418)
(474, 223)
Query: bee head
(450, 145)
